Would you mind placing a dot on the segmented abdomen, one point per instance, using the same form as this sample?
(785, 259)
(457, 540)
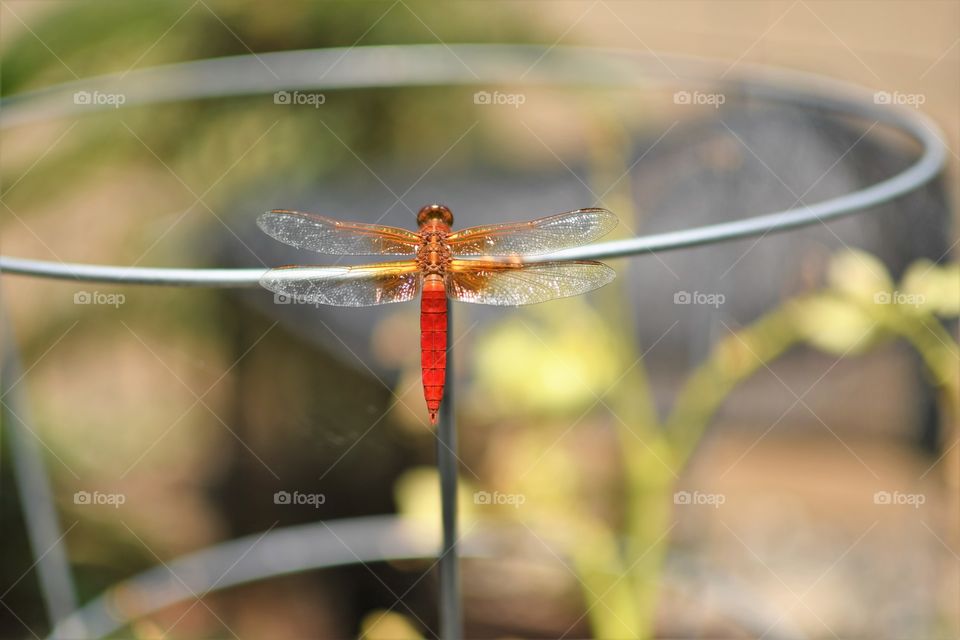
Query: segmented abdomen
(433, 343)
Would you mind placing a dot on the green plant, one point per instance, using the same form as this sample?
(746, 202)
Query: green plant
(618, 558)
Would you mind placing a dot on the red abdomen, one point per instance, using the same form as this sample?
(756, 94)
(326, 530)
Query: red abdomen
(433, 342)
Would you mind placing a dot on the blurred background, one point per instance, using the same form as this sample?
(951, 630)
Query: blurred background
(751, 439)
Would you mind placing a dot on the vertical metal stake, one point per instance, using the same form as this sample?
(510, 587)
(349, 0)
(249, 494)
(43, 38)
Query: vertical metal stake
(451, 616)
(34, 487)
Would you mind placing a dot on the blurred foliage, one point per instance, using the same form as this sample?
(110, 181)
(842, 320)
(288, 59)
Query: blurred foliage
(199, 142)
(388, 625)
(417, 494)
(618, 545)
(570, 358)
(92, 38)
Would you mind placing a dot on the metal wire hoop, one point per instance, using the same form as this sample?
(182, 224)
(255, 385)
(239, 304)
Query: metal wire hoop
(478, 64)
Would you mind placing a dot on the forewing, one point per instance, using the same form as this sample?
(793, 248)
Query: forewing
(334, 237)
(360, 286)
(505, 283)
(543, 235)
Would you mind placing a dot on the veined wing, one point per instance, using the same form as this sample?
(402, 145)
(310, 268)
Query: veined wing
(360, 286)
(507, 283)
(333, 237)
(543, 235)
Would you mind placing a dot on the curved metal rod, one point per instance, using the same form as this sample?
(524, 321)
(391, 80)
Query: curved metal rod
(33, 484)
(214, 278)
(276, 552)
(322, 545)
(417, 65)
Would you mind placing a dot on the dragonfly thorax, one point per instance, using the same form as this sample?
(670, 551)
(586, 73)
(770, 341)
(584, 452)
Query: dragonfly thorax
(433, 254)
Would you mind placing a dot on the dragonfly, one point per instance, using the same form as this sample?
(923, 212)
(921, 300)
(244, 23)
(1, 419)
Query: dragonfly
(482, 265)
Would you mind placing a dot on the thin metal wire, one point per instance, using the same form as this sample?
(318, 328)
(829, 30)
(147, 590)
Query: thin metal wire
(451, 607)
(34, 489)
(417, 65)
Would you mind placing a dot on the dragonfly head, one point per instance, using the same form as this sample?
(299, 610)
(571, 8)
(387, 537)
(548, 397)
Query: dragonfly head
(434, 212)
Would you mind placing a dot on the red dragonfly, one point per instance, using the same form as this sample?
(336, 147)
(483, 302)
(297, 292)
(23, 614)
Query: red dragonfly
(491, 270)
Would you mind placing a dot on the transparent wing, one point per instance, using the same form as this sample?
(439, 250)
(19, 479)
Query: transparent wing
(506, 283)
(333, 237)
(543, 235)
(361, 286)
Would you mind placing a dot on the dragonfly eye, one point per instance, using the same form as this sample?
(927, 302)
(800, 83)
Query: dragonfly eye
(435, 212)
